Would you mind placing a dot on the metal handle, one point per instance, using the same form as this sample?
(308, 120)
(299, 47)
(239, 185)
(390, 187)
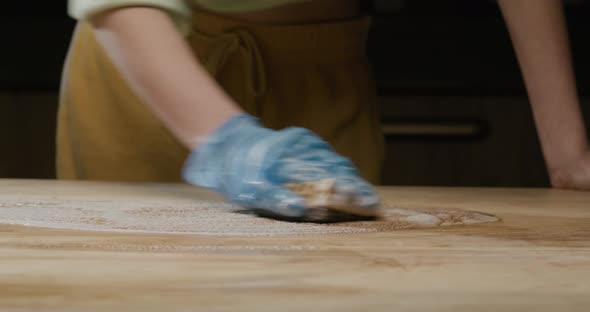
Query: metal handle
(434, 129)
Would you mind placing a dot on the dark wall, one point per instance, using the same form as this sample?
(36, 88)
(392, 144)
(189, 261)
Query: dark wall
(34, 42)
(453, 101)
(35, 39)
(458, 47)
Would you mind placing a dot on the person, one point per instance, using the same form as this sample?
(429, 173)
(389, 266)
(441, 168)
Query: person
(225, 91)
(153, 88)
(539, 34)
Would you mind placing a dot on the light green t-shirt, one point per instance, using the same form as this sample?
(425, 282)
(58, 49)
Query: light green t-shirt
(179, 9)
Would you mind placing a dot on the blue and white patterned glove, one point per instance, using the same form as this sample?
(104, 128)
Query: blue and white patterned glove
(250, 165)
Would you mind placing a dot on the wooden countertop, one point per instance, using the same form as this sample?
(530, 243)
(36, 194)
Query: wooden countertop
(537, 257)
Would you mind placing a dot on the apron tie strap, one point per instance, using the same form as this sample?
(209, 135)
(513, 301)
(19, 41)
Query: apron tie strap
(226, 45)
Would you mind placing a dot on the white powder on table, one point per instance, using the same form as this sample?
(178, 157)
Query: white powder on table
(201, 217)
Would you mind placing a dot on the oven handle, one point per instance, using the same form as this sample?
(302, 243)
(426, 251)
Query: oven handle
(434, 129)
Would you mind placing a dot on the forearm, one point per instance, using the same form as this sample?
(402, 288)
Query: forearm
(539, 34)
(159, 66)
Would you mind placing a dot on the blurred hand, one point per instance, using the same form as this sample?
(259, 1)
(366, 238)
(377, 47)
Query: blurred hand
(575, 176)
(250, 165)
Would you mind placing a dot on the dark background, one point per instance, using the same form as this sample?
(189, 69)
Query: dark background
(454, 106)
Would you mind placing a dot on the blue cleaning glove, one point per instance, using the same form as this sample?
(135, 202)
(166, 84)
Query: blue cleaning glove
(250, 165)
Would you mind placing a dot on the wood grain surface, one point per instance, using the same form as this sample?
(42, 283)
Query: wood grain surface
(536, 258)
